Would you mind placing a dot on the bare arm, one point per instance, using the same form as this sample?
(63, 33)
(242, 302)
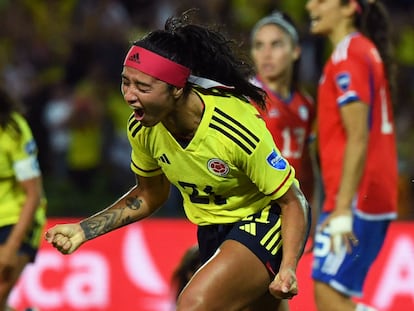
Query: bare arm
(139, 202)
(9, 250)
(294, 226)
(33, 190)
(355, 120)
(295, 211)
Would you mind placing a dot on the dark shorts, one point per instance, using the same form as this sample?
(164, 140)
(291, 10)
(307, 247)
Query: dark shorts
(260, 232)
(29, 246)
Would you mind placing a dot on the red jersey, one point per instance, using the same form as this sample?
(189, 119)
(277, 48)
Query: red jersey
(290, 123)
(355, 72)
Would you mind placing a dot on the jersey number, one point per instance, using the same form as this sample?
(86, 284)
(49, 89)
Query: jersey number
(293, 138)
(196, 197)
(386, 125)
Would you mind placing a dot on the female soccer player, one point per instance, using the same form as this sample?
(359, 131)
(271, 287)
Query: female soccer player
(22, 203)
(289, 112)
(357, 148)
(193, 126)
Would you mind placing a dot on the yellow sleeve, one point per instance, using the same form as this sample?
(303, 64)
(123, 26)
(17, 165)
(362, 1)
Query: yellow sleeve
(142, 163)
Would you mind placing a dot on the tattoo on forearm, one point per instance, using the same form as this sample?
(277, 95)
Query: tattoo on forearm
(110, 219)
(133, 203)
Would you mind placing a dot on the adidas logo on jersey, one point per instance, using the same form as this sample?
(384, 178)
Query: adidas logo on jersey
(249, 228)
(134, 58)
(164, 159)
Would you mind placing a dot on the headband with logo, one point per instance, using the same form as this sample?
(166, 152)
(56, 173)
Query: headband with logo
(157, 66)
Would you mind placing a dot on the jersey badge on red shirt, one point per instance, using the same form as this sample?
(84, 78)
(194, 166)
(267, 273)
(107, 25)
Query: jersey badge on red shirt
(343, 80)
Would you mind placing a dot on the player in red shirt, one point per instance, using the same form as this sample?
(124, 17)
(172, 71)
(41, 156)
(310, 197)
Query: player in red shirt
(290, 112)
(357, 149)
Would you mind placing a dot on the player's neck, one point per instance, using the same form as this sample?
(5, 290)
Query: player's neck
(279, 87)
(339, 33)
(186, 118)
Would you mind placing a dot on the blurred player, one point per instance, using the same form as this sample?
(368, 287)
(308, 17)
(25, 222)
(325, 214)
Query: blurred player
(22, 204)
(357, 148)
(289, 112)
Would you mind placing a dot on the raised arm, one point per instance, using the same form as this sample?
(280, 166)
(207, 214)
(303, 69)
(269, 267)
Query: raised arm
(138, 203)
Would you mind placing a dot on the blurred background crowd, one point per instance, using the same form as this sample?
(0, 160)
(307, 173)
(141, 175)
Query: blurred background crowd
(63, 60)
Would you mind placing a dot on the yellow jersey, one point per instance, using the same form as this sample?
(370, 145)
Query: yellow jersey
(230, 169)
(18, 161)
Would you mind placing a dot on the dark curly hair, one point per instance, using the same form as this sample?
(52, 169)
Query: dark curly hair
(207, 52)
(374, 22)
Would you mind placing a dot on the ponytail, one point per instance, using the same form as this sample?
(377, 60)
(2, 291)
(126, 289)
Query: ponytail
(374, 22)
(207, 52)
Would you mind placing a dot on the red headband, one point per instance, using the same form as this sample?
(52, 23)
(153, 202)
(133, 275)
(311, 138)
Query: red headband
(157, 66)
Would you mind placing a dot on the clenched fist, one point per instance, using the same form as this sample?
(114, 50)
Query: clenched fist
(284, 285)
(66, 238)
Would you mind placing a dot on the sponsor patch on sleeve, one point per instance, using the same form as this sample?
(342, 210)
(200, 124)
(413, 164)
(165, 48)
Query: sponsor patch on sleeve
(31, 147)
(343, 81)
(275, 160)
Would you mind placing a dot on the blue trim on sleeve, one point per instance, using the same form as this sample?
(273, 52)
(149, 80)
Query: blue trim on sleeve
(348, 97)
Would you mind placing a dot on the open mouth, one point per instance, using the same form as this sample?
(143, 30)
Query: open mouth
(267, 67)
(314, 20)
(139, 114)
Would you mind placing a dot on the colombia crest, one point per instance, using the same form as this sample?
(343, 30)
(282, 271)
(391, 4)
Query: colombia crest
(218, 167)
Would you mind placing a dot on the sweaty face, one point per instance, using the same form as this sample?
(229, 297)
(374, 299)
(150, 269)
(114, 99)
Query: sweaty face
(150, 98)
(273, 52)
(325, 16)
